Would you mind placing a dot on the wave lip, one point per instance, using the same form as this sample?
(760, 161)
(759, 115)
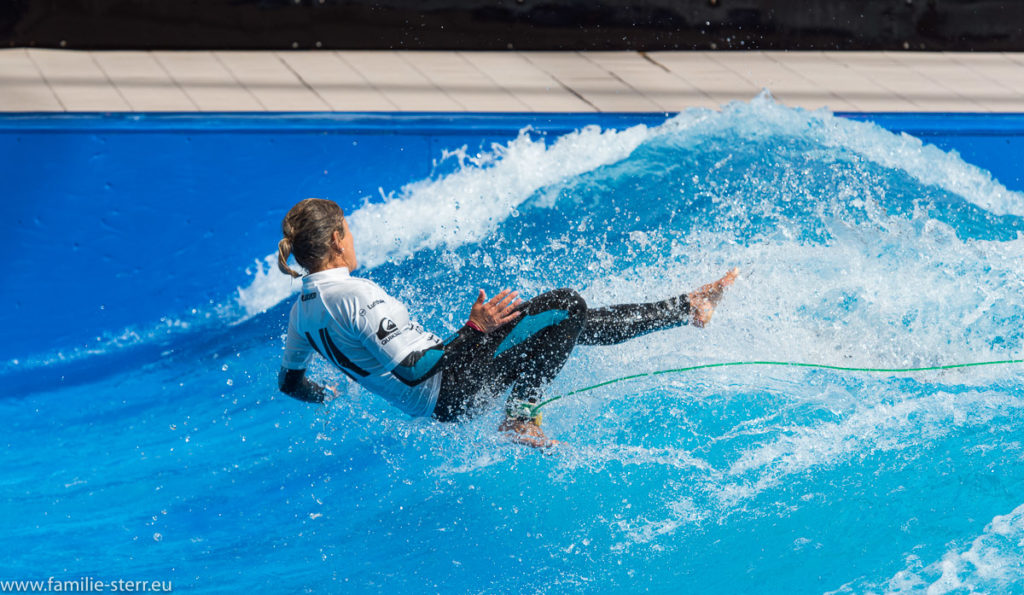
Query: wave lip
(465, 206)
(459, 208)
(487, 189)
(928, 164)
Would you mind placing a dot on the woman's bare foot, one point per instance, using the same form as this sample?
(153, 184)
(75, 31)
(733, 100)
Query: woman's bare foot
(524, 431)
(704, 300)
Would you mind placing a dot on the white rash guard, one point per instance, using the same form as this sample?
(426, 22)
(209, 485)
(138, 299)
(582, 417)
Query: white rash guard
(364, 332)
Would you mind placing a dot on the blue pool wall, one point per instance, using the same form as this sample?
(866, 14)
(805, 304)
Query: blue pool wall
(117, 220)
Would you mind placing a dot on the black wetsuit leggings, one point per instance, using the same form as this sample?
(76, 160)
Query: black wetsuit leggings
(527, 354)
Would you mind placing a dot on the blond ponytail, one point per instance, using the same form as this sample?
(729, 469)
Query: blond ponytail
(284, 249)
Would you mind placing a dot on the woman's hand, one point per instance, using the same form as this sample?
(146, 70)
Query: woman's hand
(489, 315)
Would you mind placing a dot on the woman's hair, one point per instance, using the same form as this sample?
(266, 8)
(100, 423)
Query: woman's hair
(307, 230)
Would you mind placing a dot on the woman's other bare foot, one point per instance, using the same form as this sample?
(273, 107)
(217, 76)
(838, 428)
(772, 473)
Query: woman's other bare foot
(704, 300)
(525, 431)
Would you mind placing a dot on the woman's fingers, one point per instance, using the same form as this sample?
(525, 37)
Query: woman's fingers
(494, 300)
(503, 305)
(501, 301)
(497, 311)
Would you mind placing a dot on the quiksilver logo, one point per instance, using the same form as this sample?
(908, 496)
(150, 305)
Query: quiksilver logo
(386, 330)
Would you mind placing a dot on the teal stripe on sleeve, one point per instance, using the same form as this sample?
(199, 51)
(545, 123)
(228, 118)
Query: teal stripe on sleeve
(421, 368)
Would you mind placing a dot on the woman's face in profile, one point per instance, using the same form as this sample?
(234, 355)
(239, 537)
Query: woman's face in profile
(348, 248)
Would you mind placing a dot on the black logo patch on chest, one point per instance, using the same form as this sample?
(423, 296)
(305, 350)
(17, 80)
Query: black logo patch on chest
(386, 329)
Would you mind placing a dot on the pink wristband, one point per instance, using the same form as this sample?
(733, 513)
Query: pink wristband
(474, 326)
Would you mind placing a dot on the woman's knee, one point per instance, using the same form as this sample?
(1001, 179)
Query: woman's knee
(557, 301)
(570, 300)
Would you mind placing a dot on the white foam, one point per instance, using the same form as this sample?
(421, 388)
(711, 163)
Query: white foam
(879, 427)
(788, 311)
(466, 205)
(461, 207)
(992, 564)
(268, 288)
(791, 452)
(105, 343)
(925, 162)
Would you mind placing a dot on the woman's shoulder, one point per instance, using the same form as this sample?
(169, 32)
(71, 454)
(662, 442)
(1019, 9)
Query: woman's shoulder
(355, 291)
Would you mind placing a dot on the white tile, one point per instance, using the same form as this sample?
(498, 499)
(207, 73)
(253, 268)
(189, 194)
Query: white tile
(1015, 57)
(982, 58)
(786, 86)
(720, 84)
(1005, 92)
(858, 56)
(335, 81)
(404, 86)
(144, 84)
(591, 82)
(868, 102)
(861, 92)
(957, 80)
(530, 85)
(33, 79)
(1000, 104)
(463, 82)
(28, 98)
(915, 57)
(910, 85)
(762, 71)
(22, 86)
(271, 81)
(77, 81)
(655, 82)
(1008, 75)
(207, 82)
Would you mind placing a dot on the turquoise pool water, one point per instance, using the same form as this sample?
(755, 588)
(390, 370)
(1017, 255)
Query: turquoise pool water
(149, 443)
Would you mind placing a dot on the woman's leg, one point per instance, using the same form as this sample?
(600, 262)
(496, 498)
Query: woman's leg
(524, 355)
(528, 354)
(614, 324)
(535, 350)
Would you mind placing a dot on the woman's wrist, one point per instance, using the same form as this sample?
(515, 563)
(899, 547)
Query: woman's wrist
(476, 327)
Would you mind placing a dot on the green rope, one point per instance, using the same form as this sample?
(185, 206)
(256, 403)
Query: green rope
(534, 408)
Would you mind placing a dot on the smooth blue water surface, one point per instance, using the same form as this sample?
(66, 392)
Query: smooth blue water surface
(147, 441)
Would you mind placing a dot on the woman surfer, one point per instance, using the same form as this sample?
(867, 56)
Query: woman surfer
(507, 344)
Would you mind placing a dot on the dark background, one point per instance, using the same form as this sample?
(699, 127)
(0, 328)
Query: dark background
(985, 25)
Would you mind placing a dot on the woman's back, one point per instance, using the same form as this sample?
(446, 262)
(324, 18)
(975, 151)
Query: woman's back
(364, 332)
